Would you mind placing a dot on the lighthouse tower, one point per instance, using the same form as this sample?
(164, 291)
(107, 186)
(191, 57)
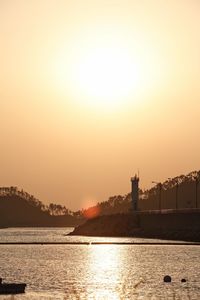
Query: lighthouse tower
(135, 192)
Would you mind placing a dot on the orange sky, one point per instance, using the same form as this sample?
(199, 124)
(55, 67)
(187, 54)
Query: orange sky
(91, 91)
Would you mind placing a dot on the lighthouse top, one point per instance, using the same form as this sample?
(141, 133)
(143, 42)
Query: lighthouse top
(135, 178)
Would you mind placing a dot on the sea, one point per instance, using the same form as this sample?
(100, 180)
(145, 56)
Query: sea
(72, 267)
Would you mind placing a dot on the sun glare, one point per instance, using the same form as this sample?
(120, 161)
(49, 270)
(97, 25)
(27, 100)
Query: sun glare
(106, 70)
(107, 75)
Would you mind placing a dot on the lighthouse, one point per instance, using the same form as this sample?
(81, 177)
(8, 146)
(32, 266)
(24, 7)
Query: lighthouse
(135, 192)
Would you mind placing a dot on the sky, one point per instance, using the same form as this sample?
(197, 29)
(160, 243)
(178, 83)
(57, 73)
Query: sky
(93, 91)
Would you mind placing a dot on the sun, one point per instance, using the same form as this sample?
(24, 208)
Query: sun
(107, 69)
(106, 75)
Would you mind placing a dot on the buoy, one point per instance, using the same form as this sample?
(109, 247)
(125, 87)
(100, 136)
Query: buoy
(167, 278)
(183, 280)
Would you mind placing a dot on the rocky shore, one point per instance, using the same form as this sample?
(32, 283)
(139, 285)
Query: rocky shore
(109, 225)
(135, 225)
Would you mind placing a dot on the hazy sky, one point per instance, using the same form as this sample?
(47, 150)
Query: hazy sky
(91, 91)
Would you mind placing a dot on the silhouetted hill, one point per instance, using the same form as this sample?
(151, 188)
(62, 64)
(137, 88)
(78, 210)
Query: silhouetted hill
(183, 189)
(169, 210)
(18, 208)
(18, 211)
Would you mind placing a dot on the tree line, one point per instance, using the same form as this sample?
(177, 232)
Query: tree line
(53, 208)
(115, 204)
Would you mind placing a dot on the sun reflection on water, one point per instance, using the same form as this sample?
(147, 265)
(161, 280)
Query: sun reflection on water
(103, 282)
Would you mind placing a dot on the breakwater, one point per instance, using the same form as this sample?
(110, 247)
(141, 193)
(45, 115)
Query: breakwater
(171, 225)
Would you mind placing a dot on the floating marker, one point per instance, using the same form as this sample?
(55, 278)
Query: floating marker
(167, 278)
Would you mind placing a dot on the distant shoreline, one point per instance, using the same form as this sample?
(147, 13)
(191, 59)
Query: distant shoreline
(175, 243)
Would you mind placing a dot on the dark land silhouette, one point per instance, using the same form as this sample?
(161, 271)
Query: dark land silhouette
(182, 225)
(169, 210)
(18, 208)
(175, 193)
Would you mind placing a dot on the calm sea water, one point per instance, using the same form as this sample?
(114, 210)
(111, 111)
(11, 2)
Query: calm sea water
(96, 271)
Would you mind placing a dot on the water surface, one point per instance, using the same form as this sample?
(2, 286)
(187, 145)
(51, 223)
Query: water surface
(97, 271)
